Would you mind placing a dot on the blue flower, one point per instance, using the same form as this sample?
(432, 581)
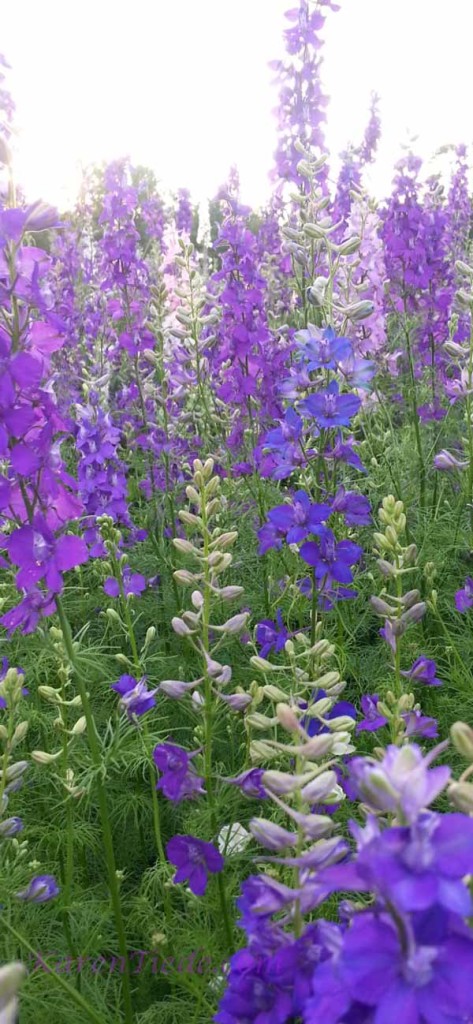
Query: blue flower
(322, 349)
(270, 635)
(330, 408)
(136, 699)
(331, 560)
(298, 519)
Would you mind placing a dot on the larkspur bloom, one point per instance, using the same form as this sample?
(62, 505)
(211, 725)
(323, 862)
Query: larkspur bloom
(373, 978)
(41, 889)
(178, 779)
(40, 556)
(373, 719)
(464, 597)
(403, 783)
(322, 349)
(424, 670)
(135, 698)
(194, 859)
(330, 408)
(331, 560)
(354, 508)
(270, 635)
(133, 584)
(298, 519)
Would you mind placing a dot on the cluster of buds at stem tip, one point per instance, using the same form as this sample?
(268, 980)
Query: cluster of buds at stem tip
(209, 549)
(305, 738)
(65, 703)
(291, 702)
(12, 732)
(397, 559)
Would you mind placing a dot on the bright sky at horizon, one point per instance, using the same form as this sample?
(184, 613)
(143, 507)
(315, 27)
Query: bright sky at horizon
(184, 87)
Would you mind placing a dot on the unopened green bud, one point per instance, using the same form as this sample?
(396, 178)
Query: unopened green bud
(461, 795)
(462, 738)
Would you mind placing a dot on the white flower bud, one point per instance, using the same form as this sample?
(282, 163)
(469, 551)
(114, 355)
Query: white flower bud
(41, 757)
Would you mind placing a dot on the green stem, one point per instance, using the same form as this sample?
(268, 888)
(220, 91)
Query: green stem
(208, 717)
(74, 996)
(103, 810)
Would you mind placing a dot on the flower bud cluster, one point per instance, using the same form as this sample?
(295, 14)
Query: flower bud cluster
(64, 702)
(209, 550)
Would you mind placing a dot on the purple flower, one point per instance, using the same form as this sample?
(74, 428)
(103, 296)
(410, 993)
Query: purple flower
(354, 507)
(464, 597)
(330, 560)
(40, 889)
(330, 408)
(252, 996)
(135, 698)
(423, 671)
(193, 858)
(250, 783)
(28, 612)
(419, 867)
(270, 635)
(430, 984)
(41, 556)
(321, 348)
(373, 720)
(179, 780)
(133, 583)
(402, 783)
(289, 431)
(298, 519)
(418, 724)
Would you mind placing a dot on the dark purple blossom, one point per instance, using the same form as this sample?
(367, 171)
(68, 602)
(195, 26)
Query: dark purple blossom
(372, 720)
(322, 349)
(178, 779)
(194, 859)
(354, 507)
(270, 635)
(135, 698)
(133, 584)
(423, 671)
(374, 980)
(331, 560)
(298, 519)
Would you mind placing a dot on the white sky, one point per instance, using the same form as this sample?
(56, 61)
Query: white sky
(183, 85)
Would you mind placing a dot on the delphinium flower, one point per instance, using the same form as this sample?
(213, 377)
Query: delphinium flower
(270, 635)
(178, 781)
(464, 596)
(37, 496)
(135, 697)
(101, 472)
(246, 357)
(41, 889)
(194, 860)
(301, 108)
(423, 670)
(209, 550)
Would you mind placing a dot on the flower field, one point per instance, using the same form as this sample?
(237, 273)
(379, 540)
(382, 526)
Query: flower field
(236, 574)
